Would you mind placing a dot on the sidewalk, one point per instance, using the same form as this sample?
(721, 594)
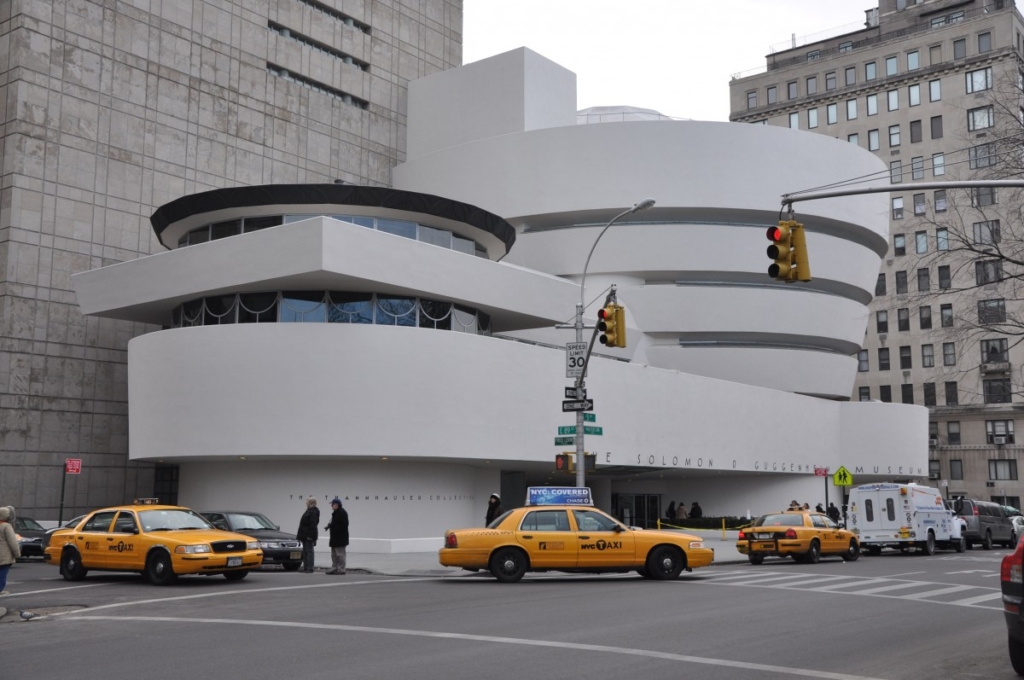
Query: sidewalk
(426, 563)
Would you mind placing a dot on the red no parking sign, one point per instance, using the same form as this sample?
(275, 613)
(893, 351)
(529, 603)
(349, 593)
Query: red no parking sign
(73, 466)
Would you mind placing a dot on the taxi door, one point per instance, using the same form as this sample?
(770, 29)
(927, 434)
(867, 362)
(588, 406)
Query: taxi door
(91, 540)
(599, 543)
(123, 549)
(548, 539)
(831, 539)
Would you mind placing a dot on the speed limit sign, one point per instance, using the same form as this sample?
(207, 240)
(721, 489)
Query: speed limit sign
(575, 355)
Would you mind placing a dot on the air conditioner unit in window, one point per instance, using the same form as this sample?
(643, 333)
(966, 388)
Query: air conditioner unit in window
(933, 475)
(998, 439)
(933, 442)
(990, 484)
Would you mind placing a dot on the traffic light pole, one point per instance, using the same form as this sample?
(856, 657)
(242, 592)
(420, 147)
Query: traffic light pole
(581, 386)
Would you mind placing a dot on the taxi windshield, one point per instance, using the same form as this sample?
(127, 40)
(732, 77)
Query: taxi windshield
(786, 520)
(175, 519)
(254, 521)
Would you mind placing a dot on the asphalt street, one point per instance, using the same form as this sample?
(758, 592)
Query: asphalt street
(888, 617)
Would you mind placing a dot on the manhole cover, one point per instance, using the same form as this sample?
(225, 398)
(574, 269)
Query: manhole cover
(35, 613)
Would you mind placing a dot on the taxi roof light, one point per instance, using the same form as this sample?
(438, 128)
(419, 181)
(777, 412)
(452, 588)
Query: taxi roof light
(559, 495)
(147, 501)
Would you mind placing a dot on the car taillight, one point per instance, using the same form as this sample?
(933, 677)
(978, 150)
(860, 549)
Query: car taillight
(790, 533)
(1012, 568)
(450, 541)
(742, 536)
(975, 510)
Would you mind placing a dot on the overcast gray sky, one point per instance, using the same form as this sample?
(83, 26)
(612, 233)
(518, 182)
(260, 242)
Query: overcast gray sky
(675, 56)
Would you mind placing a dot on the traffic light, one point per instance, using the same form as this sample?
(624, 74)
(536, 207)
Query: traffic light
(612, 324)
(789, 252)
(564, 462)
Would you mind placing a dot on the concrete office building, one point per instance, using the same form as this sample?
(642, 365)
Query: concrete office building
(397, 347)
(915, 87)
(114, 109)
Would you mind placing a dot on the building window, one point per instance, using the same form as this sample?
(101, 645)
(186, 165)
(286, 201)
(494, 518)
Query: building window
(934, 90)
(988, 271)
(883, 358)
(953, 439)
(1002, 469)
(772, 95)
(934, 466)
(960, 48)
(895, 172)
(979, 80)
(832, 114)
(935, 55)
(939, 168)
(915, 131)
(882, 321)
(956, 467)
(906, 360)
(872, 140)
(894, 99)
(940, 206)
(752, 100)
(907, 394)
(880, 285)
(945, 279)
(946, 314)
(853, 139)
(862, 361)
(982, 196)
(864, 393)
(925, 317)
(992, 311)
(903, 319)
(870, 71)
(982, 156)
(952, 398)
(997, 391)
(917, 167)
(791, 90)
(794, 121)
(897, 214)
(913, 60)
(812, 55)
(891, 66)
(894, 135)
(999, 428)
(851, 75)
(928, 356)
(942, 239)
(846, 46)
(901, 283)
(872, 101)
(914, 95)
(936, 123)
(919, 204)
(980, 118)
(949, 354)
(987, 232)
(851, 109)
(812, 118)
(830, 81)
(994, 351)
(924, 283)
(984, 44)
(929, 395)
(812, 85)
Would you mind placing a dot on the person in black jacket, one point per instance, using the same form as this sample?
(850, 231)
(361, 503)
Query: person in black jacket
(338, 529)
(494, 509)
(696, 512)
(307, 533)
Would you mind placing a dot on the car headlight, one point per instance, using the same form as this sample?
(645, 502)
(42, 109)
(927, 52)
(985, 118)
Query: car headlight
(192, 549)
(270, 544)
(694, 545)
(252, 545)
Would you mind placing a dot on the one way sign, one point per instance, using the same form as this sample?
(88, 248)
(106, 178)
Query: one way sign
(577, 405)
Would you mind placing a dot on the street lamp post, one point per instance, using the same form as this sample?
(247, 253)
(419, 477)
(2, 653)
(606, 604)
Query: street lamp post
(581, 379)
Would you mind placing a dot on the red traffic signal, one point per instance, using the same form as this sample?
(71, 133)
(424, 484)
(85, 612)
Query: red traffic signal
(781, 251)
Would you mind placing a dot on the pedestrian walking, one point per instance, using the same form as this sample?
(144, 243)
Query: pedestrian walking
(671, 512)
(307, 533)
(818, 508)
(9, 549)
(833, 512)
(696, 512)
(681, 511)
(494, 509)
(338, 529)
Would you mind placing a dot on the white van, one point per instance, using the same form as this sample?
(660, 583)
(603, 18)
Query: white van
(902, 516)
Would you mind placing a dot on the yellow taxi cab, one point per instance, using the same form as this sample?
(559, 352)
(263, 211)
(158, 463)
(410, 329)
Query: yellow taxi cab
(160, 541)
(805, 536)
(560, 530)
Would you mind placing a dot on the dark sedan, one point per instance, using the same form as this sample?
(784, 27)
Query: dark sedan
(30, 536)
(278, 547)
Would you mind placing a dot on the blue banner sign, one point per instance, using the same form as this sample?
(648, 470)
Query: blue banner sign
(558, 495)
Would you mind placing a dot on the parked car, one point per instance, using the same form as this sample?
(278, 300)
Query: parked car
(1018, 526)
(30, 536)
(804, 536)
(987, 523)
(278, 547)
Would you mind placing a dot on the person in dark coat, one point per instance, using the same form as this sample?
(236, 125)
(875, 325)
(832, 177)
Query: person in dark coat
(833, 512)
(671, 512)
(494, 509)
(338, 529)
(308, 533)
(696, 512)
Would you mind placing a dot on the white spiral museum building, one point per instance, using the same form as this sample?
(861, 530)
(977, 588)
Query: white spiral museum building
(398, 347)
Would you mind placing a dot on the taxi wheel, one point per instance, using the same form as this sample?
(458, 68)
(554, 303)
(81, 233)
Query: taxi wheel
(643, 572)
(159, 570)
(235, 575)
(508, 565)
(852, 553)
(665, 563)
(71, 566)
(755, 559)
(813, 554)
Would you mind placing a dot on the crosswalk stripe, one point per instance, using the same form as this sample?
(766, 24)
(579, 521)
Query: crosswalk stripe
(814, 581)
(884, 589)
(727, 576)
(978, 598)
(834, 586)
(753, 578)
(934, 593)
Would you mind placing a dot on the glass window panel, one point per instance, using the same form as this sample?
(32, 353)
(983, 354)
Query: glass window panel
(870, 71)
(914, 95)
(872, 140)
(192, 313)
(934, 90)
(893, 97)
(435, 314)
(925, 317)
(891, 66)
(257, 223)
(872, 101)
(960, 48)
(851, 109)
(350, 307)
(220, 309)
(356, 219)
(397, 227)
(225, 229)
(303, 307)
(201, 235)
(465, 320)
(463, 245)
(913, 60)
(437, 237)
(812, 85)
(396, 311)
(257, 308)
(794, 121)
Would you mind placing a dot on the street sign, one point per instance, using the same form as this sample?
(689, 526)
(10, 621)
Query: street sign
(567, 429)
(575, 355)
(589, 418)
(588, 429)
(565, 441)
(578, 405)
(73, 466)
(842, 477)
(573, 393)
(820, 471)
